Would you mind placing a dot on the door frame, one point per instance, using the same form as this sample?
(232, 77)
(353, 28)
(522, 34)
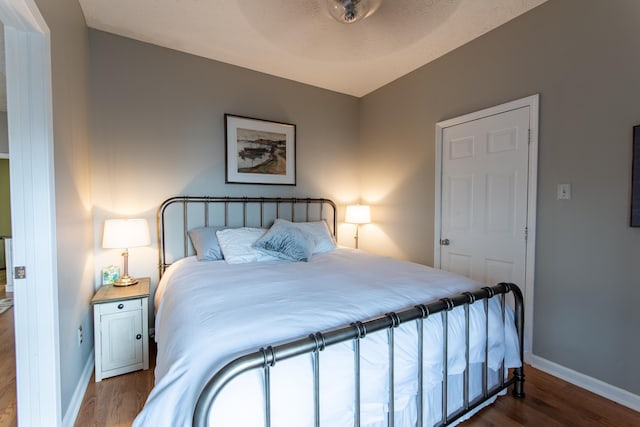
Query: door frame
(533, 103)
(30, 123)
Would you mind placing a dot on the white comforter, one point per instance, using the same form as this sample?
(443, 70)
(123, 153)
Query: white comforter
(208, 313)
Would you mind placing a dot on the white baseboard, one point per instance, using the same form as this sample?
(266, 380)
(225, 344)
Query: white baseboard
(594, 385)
(76, 400)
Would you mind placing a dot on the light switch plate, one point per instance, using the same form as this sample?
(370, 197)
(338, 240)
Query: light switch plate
(564, 191)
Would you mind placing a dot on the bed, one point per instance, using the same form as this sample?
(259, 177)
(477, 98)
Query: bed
(343, 338)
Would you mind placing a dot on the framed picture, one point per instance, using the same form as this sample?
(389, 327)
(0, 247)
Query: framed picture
(110, 275)
(635, 179)
(259, 151)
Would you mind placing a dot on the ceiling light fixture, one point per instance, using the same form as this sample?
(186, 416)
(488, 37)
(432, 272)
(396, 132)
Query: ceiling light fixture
(350, 11)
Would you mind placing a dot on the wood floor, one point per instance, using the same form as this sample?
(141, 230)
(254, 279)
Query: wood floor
(549, 402)
(7, 365)
(115, 401)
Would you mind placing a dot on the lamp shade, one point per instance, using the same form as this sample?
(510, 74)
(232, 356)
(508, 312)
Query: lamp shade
(125, 233)
(358, 214)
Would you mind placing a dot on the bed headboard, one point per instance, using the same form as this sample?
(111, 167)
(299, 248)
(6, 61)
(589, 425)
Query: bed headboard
(178, 215)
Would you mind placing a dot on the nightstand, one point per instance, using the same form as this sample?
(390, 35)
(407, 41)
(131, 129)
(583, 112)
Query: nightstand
(121, 329)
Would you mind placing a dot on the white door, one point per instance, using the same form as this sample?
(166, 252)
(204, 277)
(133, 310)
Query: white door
(485, 214)
(484, 197)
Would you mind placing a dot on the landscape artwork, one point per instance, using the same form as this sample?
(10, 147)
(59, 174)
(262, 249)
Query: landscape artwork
(259, 151)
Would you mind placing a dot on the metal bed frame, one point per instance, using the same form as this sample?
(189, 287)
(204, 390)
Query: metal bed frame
(265, 358)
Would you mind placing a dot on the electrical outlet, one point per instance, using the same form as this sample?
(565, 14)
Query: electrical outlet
(80, 335)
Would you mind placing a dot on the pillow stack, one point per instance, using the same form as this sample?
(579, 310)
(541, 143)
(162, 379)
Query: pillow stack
(285, 240)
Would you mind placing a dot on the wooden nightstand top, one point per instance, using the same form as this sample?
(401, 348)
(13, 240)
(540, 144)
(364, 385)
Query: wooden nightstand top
(110, 293)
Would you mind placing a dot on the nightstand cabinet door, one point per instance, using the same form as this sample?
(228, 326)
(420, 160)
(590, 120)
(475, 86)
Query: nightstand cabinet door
(121, 339)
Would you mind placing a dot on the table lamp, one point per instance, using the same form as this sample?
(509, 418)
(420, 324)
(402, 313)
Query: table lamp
(125, 234)
(357, 214)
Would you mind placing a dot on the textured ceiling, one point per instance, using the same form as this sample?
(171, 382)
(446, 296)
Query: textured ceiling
(298, 39)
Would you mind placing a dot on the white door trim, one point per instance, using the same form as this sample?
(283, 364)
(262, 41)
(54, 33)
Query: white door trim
(28, 60)
(532, 102)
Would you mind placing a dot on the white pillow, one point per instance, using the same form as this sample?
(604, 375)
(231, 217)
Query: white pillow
(237, 245)
(320, 232)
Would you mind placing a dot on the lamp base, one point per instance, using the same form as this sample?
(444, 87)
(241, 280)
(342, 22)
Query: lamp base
(126, 281)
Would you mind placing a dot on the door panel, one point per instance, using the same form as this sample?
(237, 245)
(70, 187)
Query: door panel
(461, 197)
(119, 343)
(499, 204)
(459, 263)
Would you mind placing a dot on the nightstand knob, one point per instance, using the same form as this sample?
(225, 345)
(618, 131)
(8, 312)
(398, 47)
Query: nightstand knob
(138, 336)
(120, 306)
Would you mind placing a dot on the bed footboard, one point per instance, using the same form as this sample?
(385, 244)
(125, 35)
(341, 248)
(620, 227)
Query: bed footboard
(266, 358)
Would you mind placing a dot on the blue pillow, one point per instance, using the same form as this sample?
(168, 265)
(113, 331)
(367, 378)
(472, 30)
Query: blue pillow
(205, 243)
(288, 242)
(320, 232)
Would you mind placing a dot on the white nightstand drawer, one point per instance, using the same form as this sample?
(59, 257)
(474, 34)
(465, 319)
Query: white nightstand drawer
(120, 306)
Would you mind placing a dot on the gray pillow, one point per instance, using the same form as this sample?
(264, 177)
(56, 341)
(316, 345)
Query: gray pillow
(286, 241)
(205, 243)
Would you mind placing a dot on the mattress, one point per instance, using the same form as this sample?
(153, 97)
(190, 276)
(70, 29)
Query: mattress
(208, 313)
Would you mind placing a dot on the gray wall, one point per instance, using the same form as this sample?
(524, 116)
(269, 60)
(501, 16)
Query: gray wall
(158, 132)
(74, 226)
(582, 57)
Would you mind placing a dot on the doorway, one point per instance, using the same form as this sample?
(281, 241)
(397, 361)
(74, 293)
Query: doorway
(7, 335)
(486, 176)
(29, 104)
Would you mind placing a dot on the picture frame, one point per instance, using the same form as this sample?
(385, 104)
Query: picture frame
(635, 179)
(259, 151)
(110, 274)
